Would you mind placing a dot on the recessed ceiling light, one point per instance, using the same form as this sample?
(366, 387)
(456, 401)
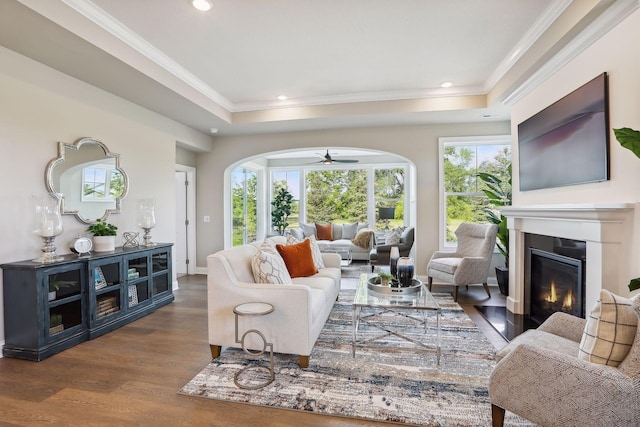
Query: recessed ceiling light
(283, 97)
(213, 130)
(202, 5)
(446, 84)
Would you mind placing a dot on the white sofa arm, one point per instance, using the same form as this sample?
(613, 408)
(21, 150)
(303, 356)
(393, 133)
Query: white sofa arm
(331, 259)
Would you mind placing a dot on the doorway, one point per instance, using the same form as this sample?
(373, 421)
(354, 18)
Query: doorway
(185, 241)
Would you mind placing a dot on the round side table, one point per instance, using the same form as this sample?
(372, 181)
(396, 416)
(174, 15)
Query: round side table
(254, 309)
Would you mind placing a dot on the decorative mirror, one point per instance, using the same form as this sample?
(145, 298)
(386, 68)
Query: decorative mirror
(88, 180)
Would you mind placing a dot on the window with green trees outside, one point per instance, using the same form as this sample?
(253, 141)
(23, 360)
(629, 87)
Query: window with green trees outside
(244, 206)
(464, 199)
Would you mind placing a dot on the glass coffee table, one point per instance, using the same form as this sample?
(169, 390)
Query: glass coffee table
(403, 304)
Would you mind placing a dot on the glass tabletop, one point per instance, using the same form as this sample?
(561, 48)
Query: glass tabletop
(365, 297)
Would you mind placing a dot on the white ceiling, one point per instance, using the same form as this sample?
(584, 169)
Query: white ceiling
(342, 63)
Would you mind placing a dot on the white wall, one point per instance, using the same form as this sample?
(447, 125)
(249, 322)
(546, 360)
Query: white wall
(40, 107)
(618, 54)
(417, 143)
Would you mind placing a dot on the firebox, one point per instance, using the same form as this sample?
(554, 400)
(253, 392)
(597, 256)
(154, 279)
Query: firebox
(556, 283)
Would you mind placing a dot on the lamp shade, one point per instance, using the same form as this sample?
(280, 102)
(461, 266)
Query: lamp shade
(386, 213)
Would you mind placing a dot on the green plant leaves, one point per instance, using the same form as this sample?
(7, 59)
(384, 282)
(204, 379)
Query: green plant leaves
(629, 139)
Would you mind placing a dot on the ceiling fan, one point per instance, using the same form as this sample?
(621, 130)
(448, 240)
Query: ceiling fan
(327, 160)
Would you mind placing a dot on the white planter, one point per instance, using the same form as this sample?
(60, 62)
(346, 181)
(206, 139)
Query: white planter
(104, 243)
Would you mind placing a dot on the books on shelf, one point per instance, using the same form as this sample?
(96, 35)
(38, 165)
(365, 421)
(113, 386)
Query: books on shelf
(107, 305)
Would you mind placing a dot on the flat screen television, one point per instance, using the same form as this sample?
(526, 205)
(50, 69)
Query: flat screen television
(567, 143)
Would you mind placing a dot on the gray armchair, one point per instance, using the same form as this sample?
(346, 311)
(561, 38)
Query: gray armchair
(381, 254)
(540, 377)
(470, 263)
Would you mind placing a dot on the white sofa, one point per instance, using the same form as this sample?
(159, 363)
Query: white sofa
(360, 253)
(301, 309)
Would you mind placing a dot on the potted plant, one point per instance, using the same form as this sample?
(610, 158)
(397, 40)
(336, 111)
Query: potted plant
(385, 278)
(630, 139)
(56, 285)
(104, 236)
(55, 324)
(281, 209)
(499, 193)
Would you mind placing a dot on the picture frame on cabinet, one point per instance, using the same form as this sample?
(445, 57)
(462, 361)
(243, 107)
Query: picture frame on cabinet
(99, 279)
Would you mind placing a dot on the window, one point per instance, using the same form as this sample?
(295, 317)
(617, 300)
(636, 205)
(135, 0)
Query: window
(336, 195)
(289, 179)
(389, 193)
(244, 198)
(462, 198)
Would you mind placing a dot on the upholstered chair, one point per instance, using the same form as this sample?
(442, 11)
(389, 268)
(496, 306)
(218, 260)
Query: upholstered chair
(469, 264)
(381, 254)
(541, 377)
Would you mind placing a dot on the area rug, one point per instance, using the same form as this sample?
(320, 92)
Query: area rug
(393, 382)
(353, 270)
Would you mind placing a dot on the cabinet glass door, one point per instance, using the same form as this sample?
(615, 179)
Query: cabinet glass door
(64, 301)
(137, 280)
(106, 283)
(160, 265)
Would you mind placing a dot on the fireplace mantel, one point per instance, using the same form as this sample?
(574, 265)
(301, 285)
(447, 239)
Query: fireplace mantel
(605, 227)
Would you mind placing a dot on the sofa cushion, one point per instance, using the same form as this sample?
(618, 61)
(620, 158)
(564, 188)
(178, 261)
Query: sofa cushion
(298, 259)
(308, 229)
(324, 231)
(349, 230)
(316, 253)
(269, 268)
(610, 330)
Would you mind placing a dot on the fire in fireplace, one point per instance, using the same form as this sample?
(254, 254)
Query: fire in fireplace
(556, 284)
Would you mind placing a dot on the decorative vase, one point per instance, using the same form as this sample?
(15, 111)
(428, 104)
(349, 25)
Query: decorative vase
(394, 255)
(104, 243)
(146, 218)
(48, 225)
(405, 271)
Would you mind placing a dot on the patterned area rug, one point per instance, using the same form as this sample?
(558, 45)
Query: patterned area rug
(354, 269)
(395, 381)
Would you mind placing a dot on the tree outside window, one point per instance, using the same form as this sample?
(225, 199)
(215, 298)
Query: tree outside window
(244, 205)
(336, 196)
(464, 199)
(389, 193)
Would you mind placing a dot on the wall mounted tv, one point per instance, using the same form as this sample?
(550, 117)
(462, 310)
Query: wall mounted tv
(567, 143)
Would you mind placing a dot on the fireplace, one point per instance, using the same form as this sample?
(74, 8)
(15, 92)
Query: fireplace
(556, 284)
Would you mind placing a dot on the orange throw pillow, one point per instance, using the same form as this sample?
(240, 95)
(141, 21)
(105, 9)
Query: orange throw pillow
(298, 259)
(324, 231)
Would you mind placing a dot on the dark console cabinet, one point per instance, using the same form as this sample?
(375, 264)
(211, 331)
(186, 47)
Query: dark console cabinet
(95, 294)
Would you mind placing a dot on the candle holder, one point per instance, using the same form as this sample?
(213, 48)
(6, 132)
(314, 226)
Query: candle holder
(48, 225)
(146, 219)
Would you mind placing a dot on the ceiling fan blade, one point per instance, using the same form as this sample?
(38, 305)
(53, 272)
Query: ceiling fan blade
(345, 161)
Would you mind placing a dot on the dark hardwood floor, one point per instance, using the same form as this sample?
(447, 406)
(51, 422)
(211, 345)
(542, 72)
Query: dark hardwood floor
(131, 376)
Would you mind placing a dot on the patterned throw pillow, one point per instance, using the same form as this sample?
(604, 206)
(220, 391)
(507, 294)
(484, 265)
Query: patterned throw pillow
(298, 259)
(315, 250)
(269, 267)
(393, 238)
(610, 330)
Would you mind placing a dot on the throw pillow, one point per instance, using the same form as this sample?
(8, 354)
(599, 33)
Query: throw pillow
(609, 331)
(297, 233)
(392, 238)
(316, 253)
(269, 267)
(308, 229)
(349, 230)
(363, 225)
(324, 231)
(298, 259)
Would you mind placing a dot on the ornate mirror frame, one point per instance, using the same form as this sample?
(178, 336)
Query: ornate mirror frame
(55, 170)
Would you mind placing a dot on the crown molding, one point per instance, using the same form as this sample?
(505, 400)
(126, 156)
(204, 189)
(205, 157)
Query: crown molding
(615, 14)
(98, 16)
(360, 97)
(524, 44)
